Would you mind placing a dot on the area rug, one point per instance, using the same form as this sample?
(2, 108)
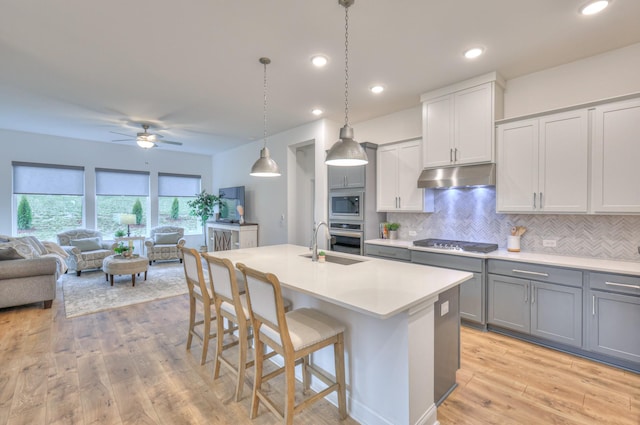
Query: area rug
(91, 292)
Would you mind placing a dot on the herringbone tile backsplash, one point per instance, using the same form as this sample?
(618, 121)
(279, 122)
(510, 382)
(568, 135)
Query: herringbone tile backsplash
(470, 214)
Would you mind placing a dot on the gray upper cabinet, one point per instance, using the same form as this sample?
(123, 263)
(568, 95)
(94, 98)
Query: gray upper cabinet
(346, 177)
(613, 315)
(547, 305)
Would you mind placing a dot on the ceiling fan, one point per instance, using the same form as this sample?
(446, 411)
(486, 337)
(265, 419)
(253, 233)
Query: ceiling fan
(145, 139)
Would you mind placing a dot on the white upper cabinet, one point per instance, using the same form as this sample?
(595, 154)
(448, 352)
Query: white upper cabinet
(458, 122)
(615, 158)
(542, 164)
(399, 167)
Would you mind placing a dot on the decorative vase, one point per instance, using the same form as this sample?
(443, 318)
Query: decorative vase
(393, 234)
(321, 258)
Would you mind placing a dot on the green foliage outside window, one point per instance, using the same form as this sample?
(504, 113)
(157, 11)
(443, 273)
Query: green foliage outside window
(175, 209)
(25, 219)
(137, 210)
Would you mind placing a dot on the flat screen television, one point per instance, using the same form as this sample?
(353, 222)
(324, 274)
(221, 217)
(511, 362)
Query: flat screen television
(230, 198)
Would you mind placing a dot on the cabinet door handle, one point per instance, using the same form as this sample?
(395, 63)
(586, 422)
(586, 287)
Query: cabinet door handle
(593, 305)
(540, 199)
(534, 200)
(526, 293)
(533, 294)
(625, 285)
(345, 181)
(455, 155)
(450, 154)
(399, 202)
(529, 272)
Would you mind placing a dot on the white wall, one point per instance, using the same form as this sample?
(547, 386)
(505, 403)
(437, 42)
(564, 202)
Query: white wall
(269, 199)
(401, 125)
(610, 74)
(30, 147)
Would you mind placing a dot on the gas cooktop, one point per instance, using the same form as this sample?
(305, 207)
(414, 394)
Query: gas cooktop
(456, 245)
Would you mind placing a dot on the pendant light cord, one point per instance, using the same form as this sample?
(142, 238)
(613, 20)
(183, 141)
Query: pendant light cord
(265, 105)
(346, 65)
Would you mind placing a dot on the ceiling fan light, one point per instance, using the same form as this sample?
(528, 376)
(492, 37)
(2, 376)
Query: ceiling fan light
(144, 143)
(265, 166)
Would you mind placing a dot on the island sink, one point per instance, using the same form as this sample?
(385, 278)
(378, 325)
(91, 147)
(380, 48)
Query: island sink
(338, 260)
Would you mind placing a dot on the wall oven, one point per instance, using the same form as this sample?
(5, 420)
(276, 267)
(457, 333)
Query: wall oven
(347, 237)
(346, 205)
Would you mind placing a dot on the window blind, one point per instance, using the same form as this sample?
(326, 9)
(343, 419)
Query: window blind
(178, 184)
(47, 179)
(122, 182)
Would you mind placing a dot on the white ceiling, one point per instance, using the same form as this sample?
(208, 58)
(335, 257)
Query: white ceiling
(81, 69)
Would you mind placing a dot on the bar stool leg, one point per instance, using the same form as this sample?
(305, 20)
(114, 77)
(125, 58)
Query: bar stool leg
(290, 382)
(219, 345)
(207, 334)
(338, 352)
(192, 320)
(242, 361)
(257, 381)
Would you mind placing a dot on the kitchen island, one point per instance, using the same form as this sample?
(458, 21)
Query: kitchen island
(388, 310)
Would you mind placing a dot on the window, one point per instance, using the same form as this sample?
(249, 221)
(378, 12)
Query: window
(174, 191)
(121, 192)
(47, 199)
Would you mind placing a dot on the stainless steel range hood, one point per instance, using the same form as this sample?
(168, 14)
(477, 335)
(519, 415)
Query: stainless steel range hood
(460, 176)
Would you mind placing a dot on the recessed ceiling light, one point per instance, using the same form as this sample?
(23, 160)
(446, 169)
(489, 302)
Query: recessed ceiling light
(319, 60)
(473, 52)
(317, 111)
(594, 7)
(376, 89)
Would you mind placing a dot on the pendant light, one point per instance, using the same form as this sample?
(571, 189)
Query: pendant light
(346, 152)
(265, 166)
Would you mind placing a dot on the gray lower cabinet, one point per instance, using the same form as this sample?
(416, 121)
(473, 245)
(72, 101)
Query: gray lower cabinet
(613, 316)
(472, 300)
(388, 252)
(546, 310)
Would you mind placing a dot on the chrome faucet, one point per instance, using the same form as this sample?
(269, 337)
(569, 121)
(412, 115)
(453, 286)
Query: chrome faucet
(314, 241)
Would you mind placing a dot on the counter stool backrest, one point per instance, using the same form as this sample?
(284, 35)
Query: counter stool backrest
(264, 299)
(194, 274)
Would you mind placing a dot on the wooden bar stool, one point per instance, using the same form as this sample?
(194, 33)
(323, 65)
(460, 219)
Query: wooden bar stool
(199, 292)
(230, 303)
(293, 335)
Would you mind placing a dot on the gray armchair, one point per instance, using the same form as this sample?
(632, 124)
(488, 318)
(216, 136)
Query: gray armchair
(165, 243)
(85, 248)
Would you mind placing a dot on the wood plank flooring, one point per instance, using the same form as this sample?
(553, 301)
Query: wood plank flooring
(130, 366)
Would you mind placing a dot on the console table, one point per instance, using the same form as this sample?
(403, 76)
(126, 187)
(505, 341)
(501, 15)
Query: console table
(226, 236)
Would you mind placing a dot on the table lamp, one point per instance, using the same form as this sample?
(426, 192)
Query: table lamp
(128, 219)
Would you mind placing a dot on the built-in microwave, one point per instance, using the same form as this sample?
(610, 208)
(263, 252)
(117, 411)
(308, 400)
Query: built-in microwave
(346, 205)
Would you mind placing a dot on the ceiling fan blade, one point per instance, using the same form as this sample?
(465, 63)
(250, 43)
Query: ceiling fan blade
(124, 140)
(168, 142)
(122, 134)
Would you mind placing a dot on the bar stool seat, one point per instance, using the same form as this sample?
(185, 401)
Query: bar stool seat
(307, 326)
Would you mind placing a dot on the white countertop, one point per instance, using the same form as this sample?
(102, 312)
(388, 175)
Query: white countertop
(380, 288)
(582, 263)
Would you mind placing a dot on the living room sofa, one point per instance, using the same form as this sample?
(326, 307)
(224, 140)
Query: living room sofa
(29, 270)
(28, 281)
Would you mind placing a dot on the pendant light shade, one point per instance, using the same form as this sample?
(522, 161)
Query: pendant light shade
(346, 152)
(265, 166)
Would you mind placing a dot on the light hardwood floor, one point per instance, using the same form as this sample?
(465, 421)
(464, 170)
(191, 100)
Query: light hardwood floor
(130, 366)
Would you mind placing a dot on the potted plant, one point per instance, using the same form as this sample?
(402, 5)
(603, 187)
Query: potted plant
(203, 207)
(321, 257)
(122, 249)
(393, 230)
(120, 233)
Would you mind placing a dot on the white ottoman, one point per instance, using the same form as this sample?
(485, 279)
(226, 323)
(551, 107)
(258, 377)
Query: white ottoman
(117, 264)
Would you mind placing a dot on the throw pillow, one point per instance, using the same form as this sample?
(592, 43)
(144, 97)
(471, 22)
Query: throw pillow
(167, 238)
(37, 246)
(86, 244)
(22, 247)
(9, 253)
